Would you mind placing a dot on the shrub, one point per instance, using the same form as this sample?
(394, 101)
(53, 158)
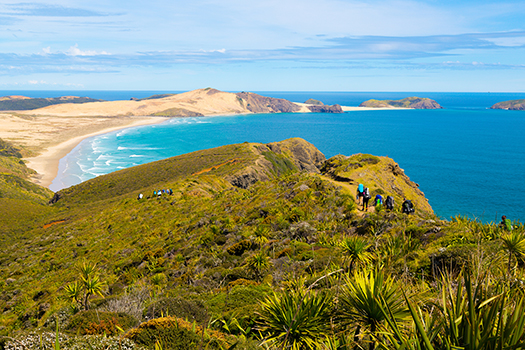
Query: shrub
(174, 333)
(240, 247)
(178, 307)
(100, 322)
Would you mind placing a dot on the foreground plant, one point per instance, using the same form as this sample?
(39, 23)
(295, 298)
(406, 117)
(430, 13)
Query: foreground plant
(363, 300)
(295, 320)
(473, 316)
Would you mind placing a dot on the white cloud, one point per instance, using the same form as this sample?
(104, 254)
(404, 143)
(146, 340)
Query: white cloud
(75, 51)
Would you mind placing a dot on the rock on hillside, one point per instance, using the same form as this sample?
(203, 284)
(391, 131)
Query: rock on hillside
(409, 102)
(380, 174)
(516, 105)
(277, 158)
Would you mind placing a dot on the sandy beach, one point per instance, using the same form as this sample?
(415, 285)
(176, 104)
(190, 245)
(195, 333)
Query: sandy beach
(48, 139)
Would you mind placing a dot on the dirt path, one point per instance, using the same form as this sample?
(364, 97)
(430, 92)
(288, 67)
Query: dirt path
(352, 190)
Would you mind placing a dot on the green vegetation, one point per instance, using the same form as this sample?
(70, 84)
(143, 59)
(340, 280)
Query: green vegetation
(249, 252)
(26, 103)
(518, 105)
(154, 97)
(409, 102)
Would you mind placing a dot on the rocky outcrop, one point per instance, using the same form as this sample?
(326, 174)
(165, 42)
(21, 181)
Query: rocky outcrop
(261, 104)
(277, 158)
(409, 102)
(304, 155)
(515, 105)
(326, 109)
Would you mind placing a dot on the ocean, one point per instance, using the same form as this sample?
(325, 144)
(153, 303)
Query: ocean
(468, 159)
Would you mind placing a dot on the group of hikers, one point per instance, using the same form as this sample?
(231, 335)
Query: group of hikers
(157, 193)
(363, 197)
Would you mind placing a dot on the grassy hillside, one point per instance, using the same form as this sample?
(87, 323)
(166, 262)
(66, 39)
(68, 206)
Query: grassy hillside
(22, 203)
(254, 240)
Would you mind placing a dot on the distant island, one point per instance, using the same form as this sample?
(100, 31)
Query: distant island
(23, 103)
(515, 105)
(409, 102)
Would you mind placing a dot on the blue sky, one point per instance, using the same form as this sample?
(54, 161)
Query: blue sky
(270, 45)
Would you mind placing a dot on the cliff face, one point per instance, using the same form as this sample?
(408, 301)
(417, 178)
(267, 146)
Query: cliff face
(261, 104)
(409, 102)
(326, 109)
(516, 105)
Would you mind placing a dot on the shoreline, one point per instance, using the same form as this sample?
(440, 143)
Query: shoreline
(46, 164)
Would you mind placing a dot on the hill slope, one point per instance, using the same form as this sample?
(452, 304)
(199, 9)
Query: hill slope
(21, 201)
(230, 206)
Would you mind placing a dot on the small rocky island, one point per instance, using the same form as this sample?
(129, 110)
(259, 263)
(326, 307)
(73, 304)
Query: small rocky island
(515, 105)
(409, 102)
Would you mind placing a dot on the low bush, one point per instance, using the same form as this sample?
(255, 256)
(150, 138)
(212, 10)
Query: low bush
(180, 308)
(173, 333)
(100, 322)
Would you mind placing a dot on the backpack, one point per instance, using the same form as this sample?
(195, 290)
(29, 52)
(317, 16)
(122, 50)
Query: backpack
(389, 202)
(367, 193)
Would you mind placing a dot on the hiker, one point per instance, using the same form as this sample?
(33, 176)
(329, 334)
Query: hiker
(171, 192)
(366, 197)
(505, 223)
(359, 195)
(407, 207)
(140, 196)
(378, 200)
(389, 203)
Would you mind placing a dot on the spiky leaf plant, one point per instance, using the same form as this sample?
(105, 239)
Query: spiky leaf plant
(295, 320)
(364, 297)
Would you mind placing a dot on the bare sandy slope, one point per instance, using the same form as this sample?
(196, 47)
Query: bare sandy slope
(203, 101)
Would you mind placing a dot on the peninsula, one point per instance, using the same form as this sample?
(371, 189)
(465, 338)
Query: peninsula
(409, 102)
(47, 134)
(515, 105)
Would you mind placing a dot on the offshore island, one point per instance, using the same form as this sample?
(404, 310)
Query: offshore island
(244, 246)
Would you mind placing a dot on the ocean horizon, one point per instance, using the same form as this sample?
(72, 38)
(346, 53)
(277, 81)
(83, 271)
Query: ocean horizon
(466, 158)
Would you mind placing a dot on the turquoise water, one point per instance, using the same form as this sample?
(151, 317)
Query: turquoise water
(467, 159)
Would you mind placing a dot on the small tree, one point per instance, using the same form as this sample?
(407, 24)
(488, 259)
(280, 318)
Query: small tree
(89, 284)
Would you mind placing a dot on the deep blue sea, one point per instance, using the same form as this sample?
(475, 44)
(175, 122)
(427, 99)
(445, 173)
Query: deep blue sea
(467, 159)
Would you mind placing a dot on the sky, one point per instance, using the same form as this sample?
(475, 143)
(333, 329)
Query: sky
(270, 45)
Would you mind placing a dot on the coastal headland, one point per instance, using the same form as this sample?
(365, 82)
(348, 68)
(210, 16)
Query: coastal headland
(45, 135)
